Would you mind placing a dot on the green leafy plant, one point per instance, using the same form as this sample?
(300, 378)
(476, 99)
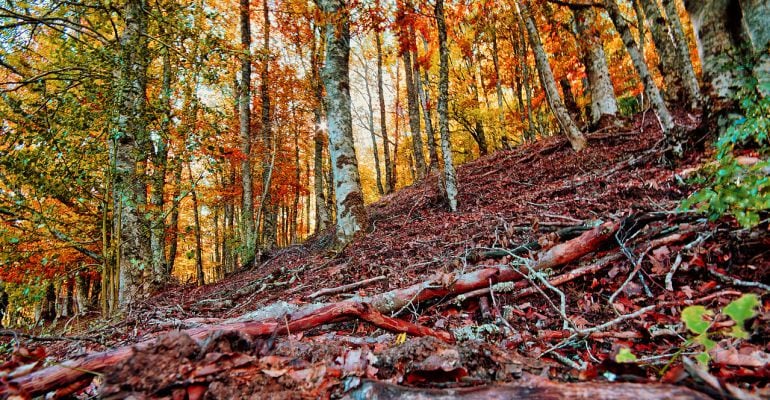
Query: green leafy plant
(698, 320)
(731, 185)
(625, 356)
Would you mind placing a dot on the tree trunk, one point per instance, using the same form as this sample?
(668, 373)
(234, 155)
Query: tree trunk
(370, 128)
(522, 59)
(267, 208)
(690, 81)
(449, 177)
(130, 141)
(160, 158)
(575, 137)
(603, 102)
(721, 27)
(196, 220)
(351, 214)
(389, 176)
(248, 231)
(174, 219)
(322, 218)
(413, 104)
(667, 53)
(424, 95)
(650, 89)
(498, 83)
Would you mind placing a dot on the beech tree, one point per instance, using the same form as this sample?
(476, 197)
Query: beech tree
(351, 214)
(603, 102)
(567, 124)
(449, 177)
(248, 229)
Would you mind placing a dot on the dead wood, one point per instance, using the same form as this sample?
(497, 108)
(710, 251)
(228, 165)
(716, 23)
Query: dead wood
(345, 288)
(369, 309)
(534, 388)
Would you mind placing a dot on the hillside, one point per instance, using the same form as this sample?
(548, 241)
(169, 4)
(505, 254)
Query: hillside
(517, 208)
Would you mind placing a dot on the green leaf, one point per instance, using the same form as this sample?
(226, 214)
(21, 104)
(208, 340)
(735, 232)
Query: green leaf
(692, 317)
(703, 358)
(740, 310)
(13, 240)
(625, 356)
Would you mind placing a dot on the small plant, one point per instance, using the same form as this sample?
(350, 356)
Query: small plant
(732, 185)
(698, 319)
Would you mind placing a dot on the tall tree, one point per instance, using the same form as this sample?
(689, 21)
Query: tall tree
(248, 231)
(568, 126)
(130, 145)
(603, 102)
(351, 214)
(408, 42)
(690, 81)
(670, 131)
(266, 206)
(390, 183)
(322, 217)
(449, 177)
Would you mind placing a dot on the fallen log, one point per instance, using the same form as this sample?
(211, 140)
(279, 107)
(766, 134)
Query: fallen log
(533, 389)
(345, 288)
(368, 308)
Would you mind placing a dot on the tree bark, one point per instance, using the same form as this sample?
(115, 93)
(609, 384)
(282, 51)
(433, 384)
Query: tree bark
(174, 218)
(322, 218)
(667, 53)
(389, 176)
(575, 137)
(424, 95)
(160, 158)
(413, 104)
(603, 102)
(197, 226)
(721, 27)
(266, 207)
(130, 144)
(690, 81)
(449, 176)
(351, 214)
(670, 131)
(248, 230)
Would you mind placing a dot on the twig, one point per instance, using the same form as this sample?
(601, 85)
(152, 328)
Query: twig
(345, 288)
(17, 335)
(671, 272)
(737, 282)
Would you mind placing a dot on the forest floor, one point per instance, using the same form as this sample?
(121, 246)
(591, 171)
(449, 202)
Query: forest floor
(620, 299)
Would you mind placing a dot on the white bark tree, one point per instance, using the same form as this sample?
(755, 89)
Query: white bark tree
(351, 214)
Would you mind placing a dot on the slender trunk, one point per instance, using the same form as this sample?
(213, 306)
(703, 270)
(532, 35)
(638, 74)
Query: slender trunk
(426, 108)
(389, 175)
(297, 177)
(322, 218)
(450, 180)
(396, 122)
(160, 157)
(196, 219)
(667, 53)
(370, 124)
(131, 143)
(173, 225)
(413, 103)
(603, 101)
(248, 234)
(650, 89)
(478, 128)
(351, 214)
(575, 137)
(217, 249)
(524, 63)
(267, 208)
(690, 81)
(498, 83)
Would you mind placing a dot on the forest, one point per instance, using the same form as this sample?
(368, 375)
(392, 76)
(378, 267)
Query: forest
(385, 199)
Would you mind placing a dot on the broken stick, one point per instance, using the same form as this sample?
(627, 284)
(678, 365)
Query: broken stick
(345, 288)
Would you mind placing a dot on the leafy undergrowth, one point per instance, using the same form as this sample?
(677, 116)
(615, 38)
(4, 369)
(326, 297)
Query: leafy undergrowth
(506, 199)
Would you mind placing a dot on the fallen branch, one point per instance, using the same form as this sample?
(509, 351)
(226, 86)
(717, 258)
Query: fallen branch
(15, 334)
(370, 309)
(345, 288)
(532, 388)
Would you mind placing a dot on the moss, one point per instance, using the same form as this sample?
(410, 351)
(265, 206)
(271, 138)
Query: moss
(475, 332)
